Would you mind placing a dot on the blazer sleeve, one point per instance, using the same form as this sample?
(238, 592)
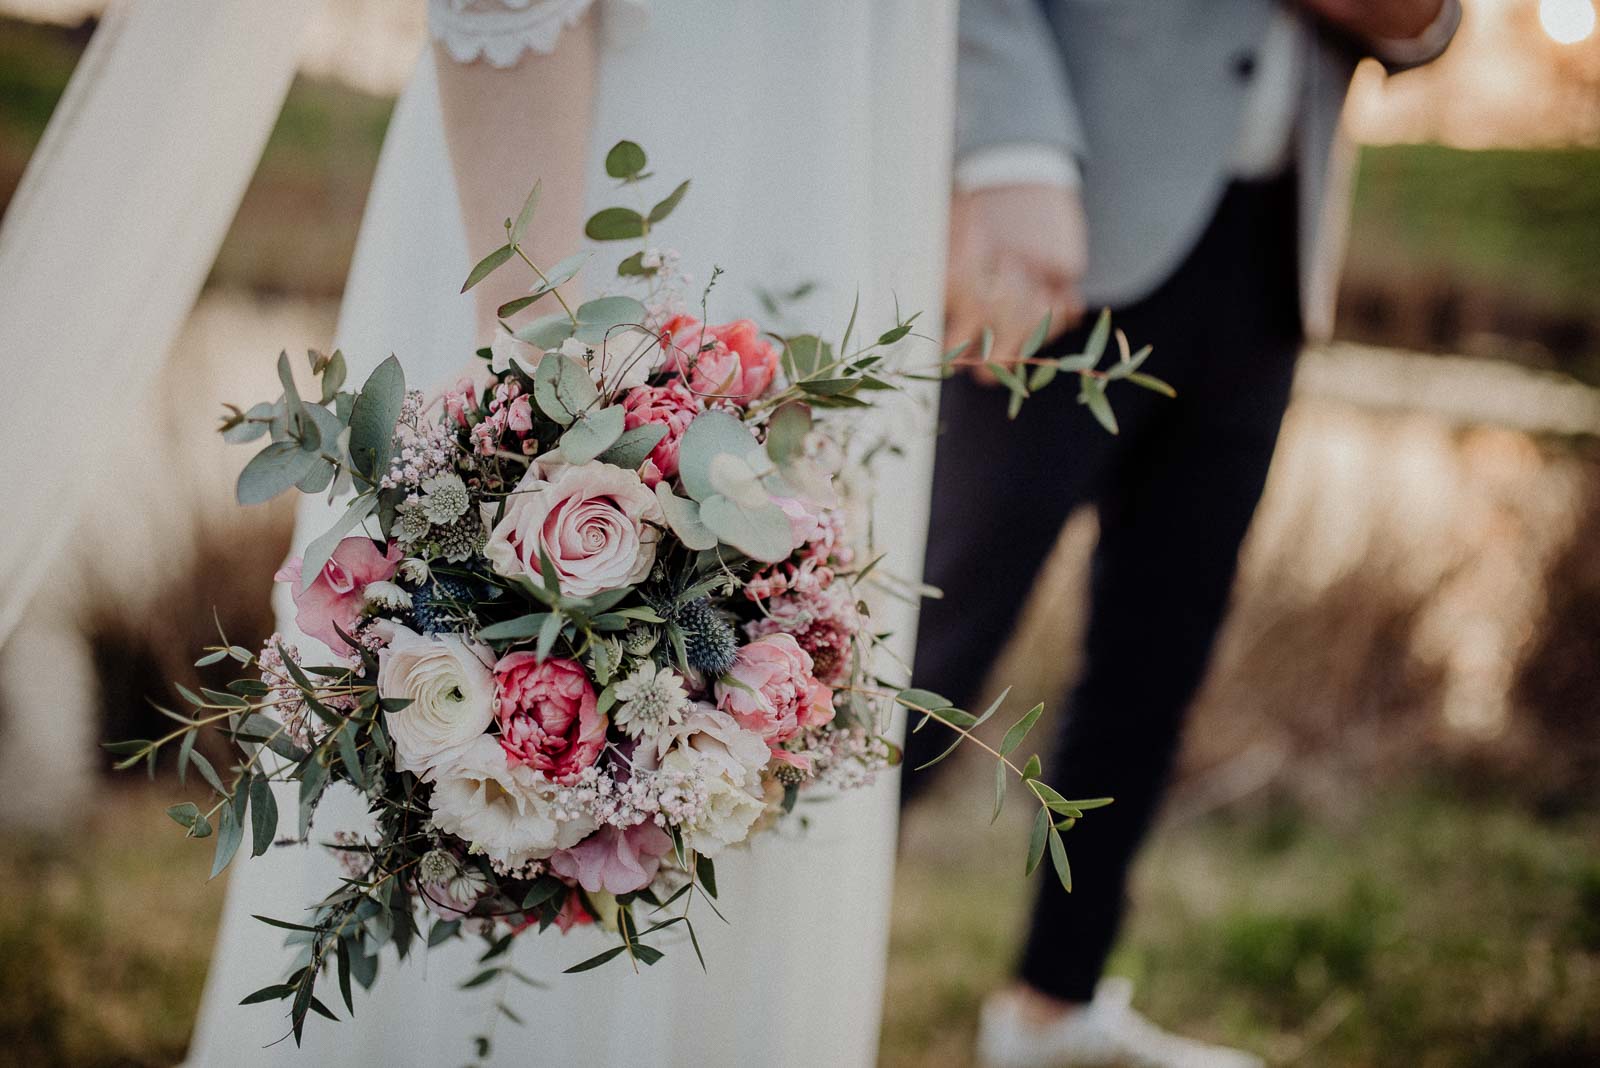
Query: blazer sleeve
(1011, 83)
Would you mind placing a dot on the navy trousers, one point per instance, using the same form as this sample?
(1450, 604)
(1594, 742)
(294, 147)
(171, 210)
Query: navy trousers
(1175, 491)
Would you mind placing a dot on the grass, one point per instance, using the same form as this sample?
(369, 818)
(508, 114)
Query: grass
(1421, 927)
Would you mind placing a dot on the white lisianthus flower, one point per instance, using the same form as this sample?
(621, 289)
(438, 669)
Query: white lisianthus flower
(504, 350)
(450, 687)
(508, 812)
(627, 358)
(731, 807)
(715, 736)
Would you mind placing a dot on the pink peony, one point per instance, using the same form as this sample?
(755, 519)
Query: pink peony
(671, 406)
(771, 690)
(758, 357)
(548, 715)
(614, 861)
(335, 598)
(729, 362)
(823, 622)
(597, 523)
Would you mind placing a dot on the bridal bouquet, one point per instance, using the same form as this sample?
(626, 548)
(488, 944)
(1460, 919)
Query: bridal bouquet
(589, 620)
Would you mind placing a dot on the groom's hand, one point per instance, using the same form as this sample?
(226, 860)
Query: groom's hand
(1016, 252)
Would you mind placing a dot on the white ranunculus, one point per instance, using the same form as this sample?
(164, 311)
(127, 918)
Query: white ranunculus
(731, 808)
(506, 811)
(451, 690)
(716, 737)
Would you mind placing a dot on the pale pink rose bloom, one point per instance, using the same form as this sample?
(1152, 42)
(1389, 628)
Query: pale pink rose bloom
(547, 714)
(671, 406)
(771, 690)
(597, 523)
(614, 861)
(334, 599)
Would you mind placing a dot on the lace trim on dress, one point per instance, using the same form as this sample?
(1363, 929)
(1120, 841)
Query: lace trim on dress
(499, 31)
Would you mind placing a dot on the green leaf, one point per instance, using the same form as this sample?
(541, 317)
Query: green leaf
(786, 432)
(712, 433)
(1124, 368)
(804, 355)
(596, 961)
(562, 388)
(625, 160)
(633, 267)
(547, 331)
(1036, 339)
(275, 992)
(1058, 858)
(263, 815)
(273, 470)
(684, 518)
(1093, 394)
(705, 871)
(184, 814)
(487, 266)
(760, 533)
(999, 789)
(1152, 383)
(1042, 376)
(372, 419)
(513, 629)
(614, 224)
(1032, 768)
(596, 318)
(1019, 730)
(525, 216)
(1095, 347)
(664, 207)
(633, 447)
(548, 635)
(922, 700)
(1036, 841)
(543, 889)
(487, 975)
(592, 433)
(229, 834)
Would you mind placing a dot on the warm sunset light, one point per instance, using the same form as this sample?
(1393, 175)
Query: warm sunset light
(1567, 21)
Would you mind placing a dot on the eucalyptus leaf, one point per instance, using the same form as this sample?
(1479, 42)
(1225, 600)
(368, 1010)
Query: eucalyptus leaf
(1019, 730)
(598, 317)
(229, 834)
(614, 224)
(317, 553)
(683, 516)
(712, 433)
(487, 266)
(1093, 393)
(263, 815)
(562, 388)
(1058, 858)
(664, 207)
(1096, 345)
(804, 355)
(525, 216)
(634, 446)
(547, 331)
(592, 433)
(760, 533)
(372, 418)
(273, 470)
(625, 160)
(1036, 840)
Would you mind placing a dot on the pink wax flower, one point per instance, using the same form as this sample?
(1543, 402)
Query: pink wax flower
(614, 861)
(671, 406)
(771, 690)
(334, 599)
(547, 715)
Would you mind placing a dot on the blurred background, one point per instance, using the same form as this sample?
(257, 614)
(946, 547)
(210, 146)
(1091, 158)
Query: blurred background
(1385, 845)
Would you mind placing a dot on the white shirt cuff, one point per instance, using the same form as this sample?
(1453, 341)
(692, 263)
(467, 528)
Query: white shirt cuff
(1023, 163)
(1424, 46)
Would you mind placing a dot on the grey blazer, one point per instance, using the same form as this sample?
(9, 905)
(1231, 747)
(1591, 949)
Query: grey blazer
(1147, 95)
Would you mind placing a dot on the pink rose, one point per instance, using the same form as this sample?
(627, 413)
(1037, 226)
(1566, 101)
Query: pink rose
(548, 715)
(758, 357)
(712, 362)
(335, 598)
(597, 523)
(771, 690)
(671, 406)
(614, 861)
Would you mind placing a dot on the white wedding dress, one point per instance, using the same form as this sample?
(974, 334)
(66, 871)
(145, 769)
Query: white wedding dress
(816, 136)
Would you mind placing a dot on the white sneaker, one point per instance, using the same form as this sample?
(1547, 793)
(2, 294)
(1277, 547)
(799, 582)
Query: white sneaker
(1106, 1033)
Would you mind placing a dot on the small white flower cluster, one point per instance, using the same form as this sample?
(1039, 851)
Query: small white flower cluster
(528, 869)
(662, 796)
(423, 447)
(283, 696)
(355, 858)
(848, 760)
